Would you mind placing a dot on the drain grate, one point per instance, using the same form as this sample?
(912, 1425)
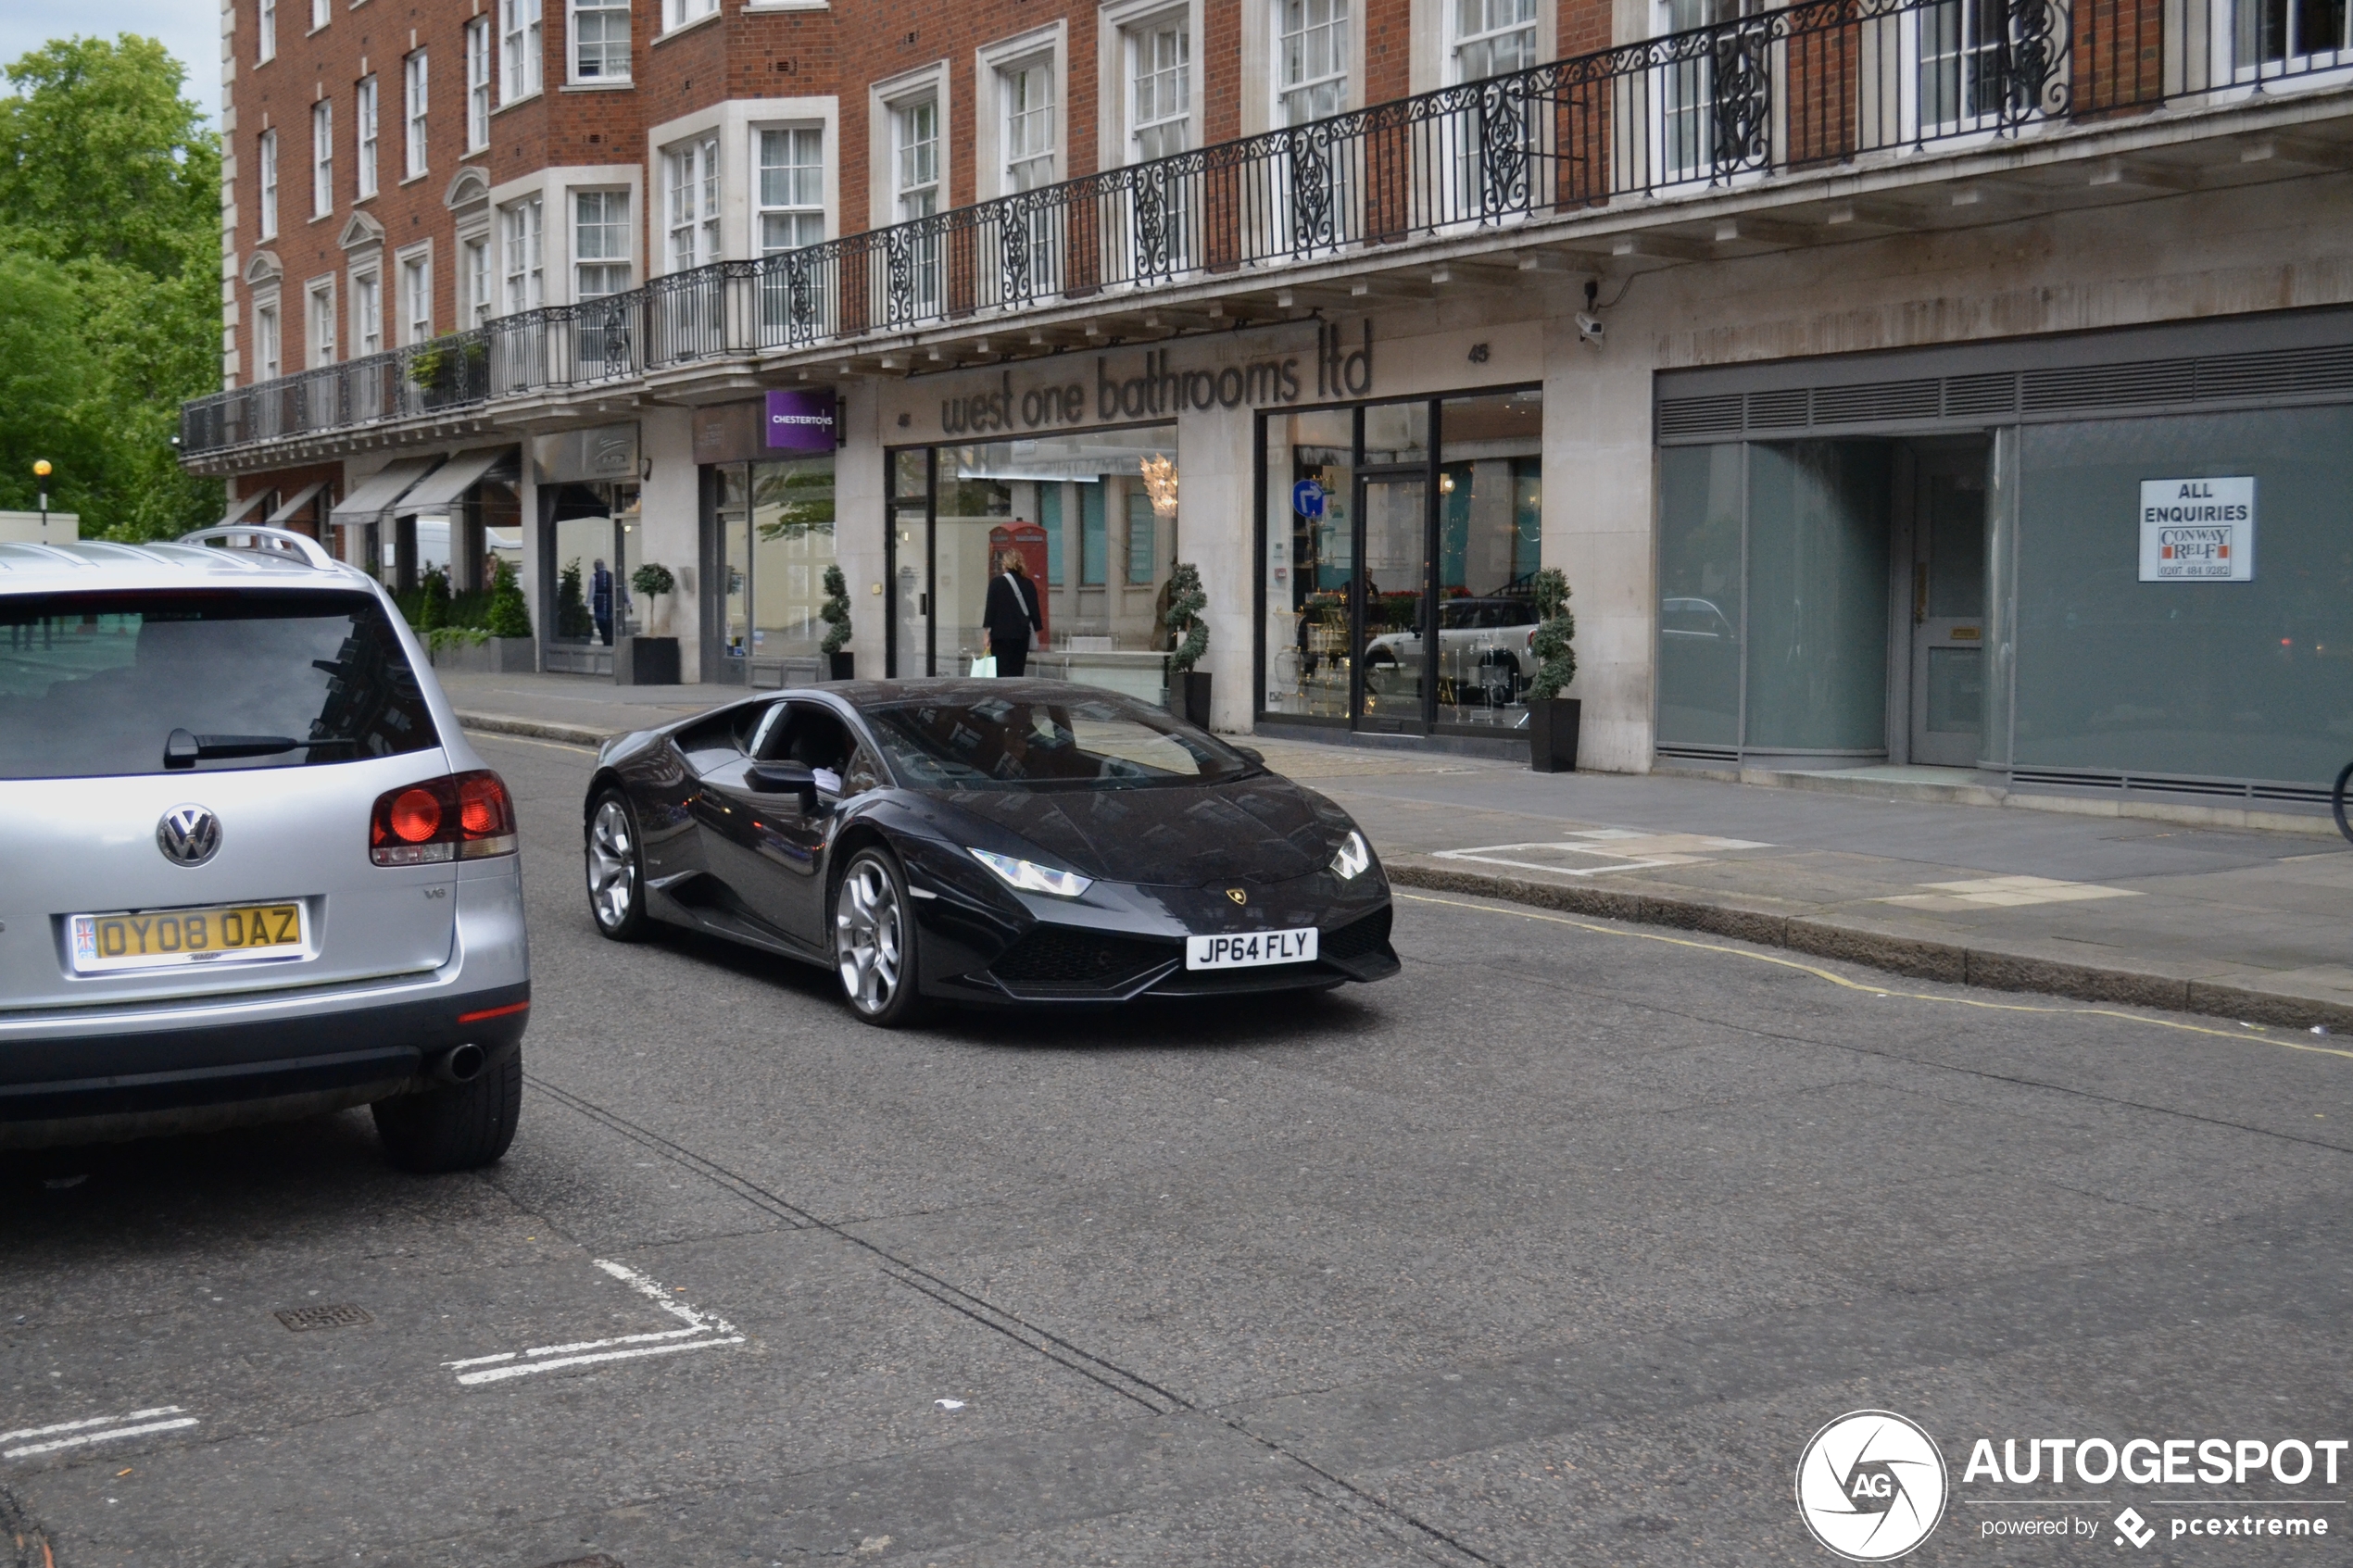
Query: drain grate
(300, 1318)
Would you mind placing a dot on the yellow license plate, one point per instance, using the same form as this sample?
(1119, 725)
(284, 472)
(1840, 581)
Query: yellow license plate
(166, 938)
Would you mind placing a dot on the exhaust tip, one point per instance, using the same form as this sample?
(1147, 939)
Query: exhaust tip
(460, 1064)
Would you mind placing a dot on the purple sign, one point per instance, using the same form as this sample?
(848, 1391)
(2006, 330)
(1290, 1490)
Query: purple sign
(800, 421)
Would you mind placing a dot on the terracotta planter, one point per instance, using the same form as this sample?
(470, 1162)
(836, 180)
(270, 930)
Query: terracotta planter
(1551, 733)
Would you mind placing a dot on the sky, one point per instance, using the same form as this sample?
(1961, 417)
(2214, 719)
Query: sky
(190, 29)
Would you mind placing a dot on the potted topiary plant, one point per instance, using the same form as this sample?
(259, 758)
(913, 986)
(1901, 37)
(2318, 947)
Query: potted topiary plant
(512, 651)
(640, 660)
(1187, 687)
(835, 614)
(1552, 718)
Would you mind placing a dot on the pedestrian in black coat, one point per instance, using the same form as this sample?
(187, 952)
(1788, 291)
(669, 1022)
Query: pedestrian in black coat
(1011, 615)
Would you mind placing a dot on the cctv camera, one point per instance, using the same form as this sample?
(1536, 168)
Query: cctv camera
(1589, 328)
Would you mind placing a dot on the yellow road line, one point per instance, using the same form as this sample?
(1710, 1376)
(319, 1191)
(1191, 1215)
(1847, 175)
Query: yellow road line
(2246, 1032)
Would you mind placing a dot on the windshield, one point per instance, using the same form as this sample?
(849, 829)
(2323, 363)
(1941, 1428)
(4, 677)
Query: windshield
(101, 684)
(1080, 741)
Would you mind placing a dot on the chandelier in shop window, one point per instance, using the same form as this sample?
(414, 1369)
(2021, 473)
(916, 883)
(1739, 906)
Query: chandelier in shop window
(1159, 483)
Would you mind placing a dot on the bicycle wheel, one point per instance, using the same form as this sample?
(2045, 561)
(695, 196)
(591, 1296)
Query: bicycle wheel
(2336, 800)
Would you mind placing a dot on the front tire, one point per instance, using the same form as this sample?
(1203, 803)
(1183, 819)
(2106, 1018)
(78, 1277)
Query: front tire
(874, 940)
(616, 867)
(457, 1127)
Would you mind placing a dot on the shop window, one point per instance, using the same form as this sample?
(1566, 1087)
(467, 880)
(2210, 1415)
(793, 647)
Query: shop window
(776, 538)
(1050, 518)
(1818, 544)
(1094, 539)
(1699, 588)
(1140, 538)
(1309, 561)
(1490, 544)
(592, 545)
(2227, 679)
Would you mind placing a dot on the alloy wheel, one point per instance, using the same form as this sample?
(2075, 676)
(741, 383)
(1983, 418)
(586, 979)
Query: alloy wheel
(612, 865)
(869, 935)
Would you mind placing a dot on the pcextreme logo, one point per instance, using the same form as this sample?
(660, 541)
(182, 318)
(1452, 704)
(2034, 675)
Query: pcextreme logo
(1871, 1486)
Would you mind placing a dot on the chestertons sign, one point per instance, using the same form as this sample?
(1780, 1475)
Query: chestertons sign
(1150, 385)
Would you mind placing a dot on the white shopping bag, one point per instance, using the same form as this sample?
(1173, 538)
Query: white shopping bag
(985, 667)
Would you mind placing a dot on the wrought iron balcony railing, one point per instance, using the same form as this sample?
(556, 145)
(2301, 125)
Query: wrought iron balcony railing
(1815, 84)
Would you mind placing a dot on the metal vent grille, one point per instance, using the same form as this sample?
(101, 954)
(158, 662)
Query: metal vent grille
(345, 1316)
(2081, 390)
(1974, 396)
(1700, 416)
(1777, 410)
(1874, 401)
(2292, 370)
(2110, 386)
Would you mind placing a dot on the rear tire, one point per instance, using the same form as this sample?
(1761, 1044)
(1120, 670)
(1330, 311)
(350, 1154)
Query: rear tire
(874, 941)
(457, 1126)
(615, 859)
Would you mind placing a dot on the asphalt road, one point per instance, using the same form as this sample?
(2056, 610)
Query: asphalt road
(1556, 1248)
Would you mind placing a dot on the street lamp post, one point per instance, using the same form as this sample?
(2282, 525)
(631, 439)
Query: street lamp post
(40, 472)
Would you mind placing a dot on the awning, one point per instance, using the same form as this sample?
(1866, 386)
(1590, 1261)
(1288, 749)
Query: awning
(374, 495)
(302, 498)
(242, 509)
(453, 479)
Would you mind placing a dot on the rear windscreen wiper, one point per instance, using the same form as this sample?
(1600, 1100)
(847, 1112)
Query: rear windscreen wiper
(186, 750)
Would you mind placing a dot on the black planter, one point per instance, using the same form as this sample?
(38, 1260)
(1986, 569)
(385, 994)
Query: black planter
(1551, 733)
(646, 661)
(841, 666)
(1188, 696)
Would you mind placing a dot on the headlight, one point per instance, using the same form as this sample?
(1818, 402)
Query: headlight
(1351, 859)
(1031, 877)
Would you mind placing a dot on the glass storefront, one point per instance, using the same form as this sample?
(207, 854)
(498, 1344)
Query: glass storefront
(1095, 516)
(2217, 679)
(592, 541)
(1958, 600)
(1391, 529)
(776, 538)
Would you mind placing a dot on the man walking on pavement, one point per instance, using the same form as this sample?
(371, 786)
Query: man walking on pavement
(1011, 614)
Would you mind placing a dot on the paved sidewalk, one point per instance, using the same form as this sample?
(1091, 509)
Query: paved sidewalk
(2240, 923)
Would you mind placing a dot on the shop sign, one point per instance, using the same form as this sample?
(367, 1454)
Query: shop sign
(1159, 389)
(800, 421)
(606, 452)
(2198, 530)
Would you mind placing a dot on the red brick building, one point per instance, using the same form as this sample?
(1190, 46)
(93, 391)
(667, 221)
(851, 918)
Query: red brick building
(1823, 347)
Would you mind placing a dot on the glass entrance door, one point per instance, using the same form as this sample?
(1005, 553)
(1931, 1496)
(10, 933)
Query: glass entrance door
(1390, 641)
(1948, 607)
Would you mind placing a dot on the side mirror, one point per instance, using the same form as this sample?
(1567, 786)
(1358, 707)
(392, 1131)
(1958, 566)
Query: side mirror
(1252, 755)
(783, 778)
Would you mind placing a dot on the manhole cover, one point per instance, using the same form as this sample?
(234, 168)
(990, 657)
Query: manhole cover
(600, 1561)
(300, 1318)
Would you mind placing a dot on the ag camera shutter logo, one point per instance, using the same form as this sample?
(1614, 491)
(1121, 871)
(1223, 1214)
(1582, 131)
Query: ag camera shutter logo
(1871, 1486)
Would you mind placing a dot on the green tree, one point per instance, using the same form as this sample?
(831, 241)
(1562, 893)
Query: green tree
(110, 180)
(573, 616)
(1557, 665)
(45, 372)
(509, 612)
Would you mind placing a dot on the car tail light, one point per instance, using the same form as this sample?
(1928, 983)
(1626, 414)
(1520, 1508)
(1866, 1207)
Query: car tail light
(461, 817)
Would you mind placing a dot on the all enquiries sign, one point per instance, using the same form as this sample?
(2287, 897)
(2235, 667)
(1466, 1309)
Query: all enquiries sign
(2198, 530)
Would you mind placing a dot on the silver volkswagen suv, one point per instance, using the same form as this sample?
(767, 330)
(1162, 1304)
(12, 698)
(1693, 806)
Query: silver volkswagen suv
(249, 867)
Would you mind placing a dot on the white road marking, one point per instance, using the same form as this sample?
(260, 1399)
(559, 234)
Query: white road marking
(1627, 849)
(703, 1331)
(84, 1432)
(525, 1369)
